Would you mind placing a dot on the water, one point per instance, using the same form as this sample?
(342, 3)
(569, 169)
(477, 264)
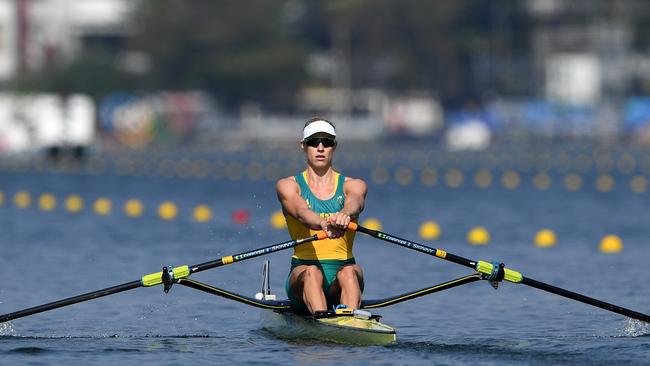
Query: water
(51, 255)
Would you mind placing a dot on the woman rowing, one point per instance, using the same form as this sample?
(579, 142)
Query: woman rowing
(323, 274)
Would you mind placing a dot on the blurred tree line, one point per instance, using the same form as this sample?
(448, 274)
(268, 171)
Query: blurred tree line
(267, 50)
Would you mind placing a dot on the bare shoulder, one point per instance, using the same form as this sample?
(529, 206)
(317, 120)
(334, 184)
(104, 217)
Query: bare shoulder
(287, 184)
(355, 184)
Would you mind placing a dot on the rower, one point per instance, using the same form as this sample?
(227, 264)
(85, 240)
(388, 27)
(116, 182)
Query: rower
(323, 275)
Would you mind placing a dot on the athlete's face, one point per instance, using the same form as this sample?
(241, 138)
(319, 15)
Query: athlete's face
(319, 149)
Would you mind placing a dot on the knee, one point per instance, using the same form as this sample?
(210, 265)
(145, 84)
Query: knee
(347, 274)
(313, 274)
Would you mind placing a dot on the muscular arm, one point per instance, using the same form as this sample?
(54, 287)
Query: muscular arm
(295, 206)
(355, 191)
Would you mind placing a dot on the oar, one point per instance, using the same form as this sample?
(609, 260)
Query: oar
(497, 272)
(166, 277)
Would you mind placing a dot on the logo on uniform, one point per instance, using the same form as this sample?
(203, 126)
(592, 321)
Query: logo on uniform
(339, 200)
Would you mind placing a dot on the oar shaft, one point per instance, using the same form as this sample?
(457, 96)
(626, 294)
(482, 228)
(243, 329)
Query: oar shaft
(485, 268)
(154, 279)
(585, 299)
(71, 300)
(415, 246)
(255, 253)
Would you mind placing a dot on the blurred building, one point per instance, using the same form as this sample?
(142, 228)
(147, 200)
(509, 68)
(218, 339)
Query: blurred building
(37, 33)
(571, 68)
(585, 49)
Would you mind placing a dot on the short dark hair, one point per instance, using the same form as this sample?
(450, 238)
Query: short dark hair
(312, 120)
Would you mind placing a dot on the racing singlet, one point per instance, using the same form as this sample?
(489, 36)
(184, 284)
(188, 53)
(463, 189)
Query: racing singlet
(326, 249)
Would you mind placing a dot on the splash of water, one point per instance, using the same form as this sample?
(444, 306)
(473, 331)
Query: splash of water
(635, 328)
(7, 329)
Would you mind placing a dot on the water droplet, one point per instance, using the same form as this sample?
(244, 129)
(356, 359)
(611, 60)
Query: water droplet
(7, 329)
(635, 328)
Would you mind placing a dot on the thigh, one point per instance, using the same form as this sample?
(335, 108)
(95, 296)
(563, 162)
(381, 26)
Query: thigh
(296, 280)
(335, 287)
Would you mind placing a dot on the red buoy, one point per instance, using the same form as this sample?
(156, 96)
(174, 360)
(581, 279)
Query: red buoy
(240, 216)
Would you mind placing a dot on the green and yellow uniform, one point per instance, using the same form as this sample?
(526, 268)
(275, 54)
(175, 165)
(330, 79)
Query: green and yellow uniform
(328, 254)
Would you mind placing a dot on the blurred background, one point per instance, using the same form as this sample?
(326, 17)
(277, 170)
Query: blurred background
(100, 76)
(501, 102)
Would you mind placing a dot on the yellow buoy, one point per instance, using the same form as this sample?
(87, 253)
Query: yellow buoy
(454, 178)
(478, 236)
(483, 178)
(605, 183)
(133, 208)
(545, 238)
(380, 176)
(404, 176)
(22, 199)
(2, 198)
(202, 213)
(429, 230)
(542, 181)
(572, 182)
(611, 244)
(102, 206)
(639, 184)
(167, 210)
(74, 203)
(47, 202)
(278, 221)
(510, 180)
(372, 224)
(428, 177)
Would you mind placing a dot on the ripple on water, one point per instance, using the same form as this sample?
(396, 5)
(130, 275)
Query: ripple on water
(28, 350)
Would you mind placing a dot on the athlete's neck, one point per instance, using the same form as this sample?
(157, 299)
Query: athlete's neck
(320, 177)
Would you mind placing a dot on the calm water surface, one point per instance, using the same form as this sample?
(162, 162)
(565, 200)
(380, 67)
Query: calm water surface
(46, 256)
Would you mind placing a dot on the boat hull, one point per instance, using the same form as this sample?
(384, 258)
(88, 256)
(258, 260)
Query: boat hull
(337, 329)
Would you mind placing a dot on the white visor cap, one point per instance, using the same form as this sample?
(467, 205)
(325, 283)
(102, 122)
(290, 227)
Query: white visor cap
(316, 127)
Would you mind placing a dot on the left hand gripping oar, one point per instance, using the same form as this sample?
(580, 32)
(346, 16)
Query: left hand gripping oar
(166, 277)
(496, 272)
